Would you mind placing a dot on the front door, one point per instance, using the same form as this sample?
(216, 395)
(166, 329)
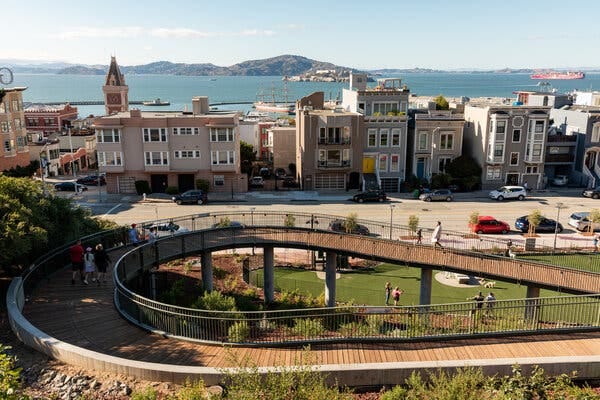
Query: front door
(158, 183)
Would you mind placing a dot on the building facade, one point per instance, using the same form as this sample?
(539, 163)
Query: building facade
(508, 142)
(170, 149)
(15, 146)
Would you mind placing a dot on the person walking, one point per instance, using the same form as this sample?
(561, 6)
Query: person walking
(388, 292)
(76, 255)
(419, 235)
(134, 236)
(90, 267)
(437, 235)
(396, 295)
(102, 260)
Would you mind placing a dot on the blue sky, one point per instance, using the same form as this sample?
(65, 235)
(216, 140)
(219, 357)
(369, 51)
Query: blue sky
(445, 34)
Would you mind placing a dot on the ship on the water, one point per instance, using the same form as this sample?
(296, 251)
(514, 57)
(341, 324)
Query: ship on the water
(558, 75)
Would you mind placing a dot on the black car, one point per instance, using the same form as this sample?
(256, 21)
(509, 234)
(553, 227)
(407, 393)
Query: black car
(371, 195)
(546, 225)
(92, 180)
(69, 187)
(339, 225)
(191, 197)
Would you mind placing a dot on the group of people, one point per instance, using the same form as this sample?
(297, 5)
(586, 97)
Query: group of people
(88, 263)
(436, 235)
(392, 293)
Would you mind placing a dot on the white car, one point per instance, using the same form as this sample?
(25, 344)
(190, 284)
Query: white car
(509, 192)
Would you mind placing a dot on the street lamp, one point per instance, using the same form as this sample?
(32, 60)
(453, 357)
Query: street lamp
(559, 206)
(391, 218)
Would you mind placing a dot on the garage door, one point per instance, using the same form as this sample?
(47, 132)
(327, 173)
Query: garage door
(330, 182)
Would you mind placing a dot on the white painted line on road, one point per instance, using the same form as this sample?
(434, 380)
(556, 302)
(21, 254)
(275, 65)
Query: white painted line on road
(111, 210)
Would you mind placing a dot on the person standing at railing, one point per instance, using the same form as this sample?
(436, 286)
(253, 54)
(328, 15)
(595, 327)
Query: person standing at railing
(437, 235)
(388, 292)
(76, 254)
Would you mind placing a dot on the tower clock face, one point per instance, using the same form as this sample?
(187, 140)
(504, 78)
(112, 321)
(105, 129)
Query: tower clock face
(114, 99)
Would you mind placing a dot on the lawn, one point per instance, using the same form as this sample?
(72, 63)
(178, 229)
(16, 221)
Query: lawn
(367, 287)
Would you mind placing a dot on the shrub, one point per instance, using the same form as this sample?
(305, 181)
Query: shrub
(142, 187)
(308, 327)
(203, 185)
(172, 190)
(239, 332)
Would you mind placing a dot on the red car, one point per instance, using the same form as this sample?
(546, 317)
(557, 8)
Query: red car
(487, 224)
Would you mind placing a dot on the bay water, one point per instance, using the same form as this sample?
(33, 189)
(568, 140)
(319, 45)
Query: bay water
(179, 90)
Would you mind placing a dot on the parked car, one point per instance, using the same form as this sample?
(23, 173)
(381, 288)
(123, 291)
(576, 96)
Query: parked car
(560, 180)
(191, 197)
(370, 195)
(437, 195)
(546, 225)
(577, 217)
(487, 224)
(92, 180)
(289, 182)
(257, 182)
(509, 192)
(339, 225)
(593, 193)
(69, 187)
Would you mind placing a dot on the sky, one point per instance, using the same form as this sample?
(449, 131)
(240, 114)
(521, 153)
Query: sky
(438, 34)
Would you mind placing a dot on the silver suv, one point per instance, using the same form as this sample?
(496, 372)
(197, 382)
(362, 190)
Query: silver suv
(509, 192)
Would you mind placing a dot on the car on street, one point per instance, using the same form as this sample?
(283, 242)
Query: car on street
(437, 195)
(194, 196)
(339, 225)
(546, 225)
(488, 224)
(69, 187)
(92, 180)
(592, 193)
(257, 182)
(370, 195)
(560, 180)
(508, 192)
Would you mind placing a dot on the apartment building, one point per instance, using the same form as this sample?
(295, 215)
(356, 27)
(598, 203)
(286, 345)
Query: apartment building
(43, 120)
(384, 138)
(508, 142)
(438, 139)
(170, 148)
(329, 145)
(15, 148)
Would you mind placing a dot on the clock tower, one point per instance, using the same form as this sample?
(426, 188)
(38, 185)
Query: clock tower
(115, 90)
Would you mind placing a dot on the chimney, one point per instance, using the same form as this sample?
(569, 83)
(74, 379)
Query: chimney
(200, 105)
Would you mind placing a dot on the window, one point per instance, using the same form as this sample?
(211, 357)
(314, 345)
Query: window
(383, 161)
(493, 173)
(155, 134)
(221, 134)
(514, 158)
(372, 133)
(422, 143)
(394, 163)
(219, 180)
(531, 169)
(156, 158)
(516, 136)
(222, 157)
(384, 137)
(187, 154)
(186, 131)
(396, 137)
(108, 136)
(110, 158)
(446, 141)
(443, 163)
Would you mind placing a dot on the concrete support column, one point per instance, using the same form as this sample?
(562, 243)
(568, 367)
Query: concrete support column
(330, 264)
(425, 293)
(269, 274)
(532, 303)
(207, 270)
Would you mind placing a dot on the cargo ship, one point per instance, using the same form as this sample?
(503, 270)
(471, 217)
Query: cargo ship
(558, 75)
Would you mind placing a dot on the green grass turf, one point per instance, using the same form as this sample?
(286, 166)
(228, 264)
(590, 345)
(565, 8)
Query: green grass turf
(367, 287)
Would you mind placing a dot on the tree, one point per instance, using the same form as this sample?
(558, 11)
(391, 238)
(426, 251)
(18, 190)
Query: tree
(534, 219)
(465, 170)
(413, 223)
(441, 103)
(247, 157)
